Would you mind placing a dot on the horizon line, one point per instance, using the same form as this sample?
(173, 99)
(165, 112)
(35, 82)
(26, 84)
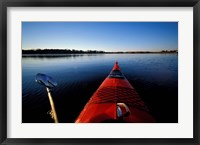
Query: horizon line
(59, 49)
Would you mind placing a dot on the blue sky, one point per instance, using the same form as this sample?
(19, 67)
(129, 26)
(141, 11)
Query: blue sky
(106, 36)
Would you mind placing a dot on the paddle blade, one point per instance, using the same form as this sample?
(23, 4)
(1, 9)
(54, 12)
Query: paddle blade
(45, 80)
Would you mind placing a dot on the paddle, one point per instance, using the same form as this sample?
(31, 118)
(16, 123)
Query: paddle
(49, 83)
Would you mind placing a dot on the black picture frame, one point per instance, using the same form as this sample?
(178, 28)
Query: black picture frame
(97, 3)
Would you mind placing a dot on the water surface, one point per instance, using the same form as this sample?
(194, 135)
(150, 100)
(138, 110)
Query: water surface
(154, 76)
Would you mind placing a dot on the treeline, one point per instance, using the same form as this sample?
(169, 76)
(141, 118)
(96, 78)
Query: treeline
(169, 51)
(59, 51)
(130, 52)
(68, 51)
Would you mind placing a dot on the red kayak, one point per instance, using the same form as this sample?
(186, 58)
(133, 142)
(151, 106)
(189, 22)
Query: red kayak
(115, 101)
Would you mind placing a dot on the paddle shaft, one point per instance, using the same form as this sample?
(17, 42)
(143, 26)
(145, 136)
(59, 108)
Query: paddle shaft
(52, 106)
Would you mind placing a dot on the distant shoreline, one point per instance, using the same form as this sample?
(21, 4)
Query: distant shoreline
(81, 54)
(55, 52)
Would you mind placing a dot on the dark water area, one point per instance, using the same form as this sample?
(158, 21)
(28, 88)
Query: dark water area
(154, 76)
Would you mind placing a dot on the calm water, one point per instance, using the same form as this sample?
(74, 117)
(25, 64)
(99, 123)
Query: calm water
(154, 76)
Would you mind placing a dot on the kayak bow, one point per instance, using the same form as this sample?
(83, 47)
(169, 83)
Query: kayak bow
(115, 101)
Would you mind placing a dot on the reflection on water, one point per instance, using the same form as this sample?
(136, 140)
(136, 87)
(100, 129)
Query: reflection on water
(154, 76)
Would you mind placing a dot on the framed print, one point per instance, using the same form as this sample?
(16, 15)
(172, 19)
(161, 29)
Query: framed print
(99, 71)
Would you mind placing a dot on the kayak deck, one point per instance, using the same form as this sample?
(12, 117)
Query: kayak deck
(115, 101)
